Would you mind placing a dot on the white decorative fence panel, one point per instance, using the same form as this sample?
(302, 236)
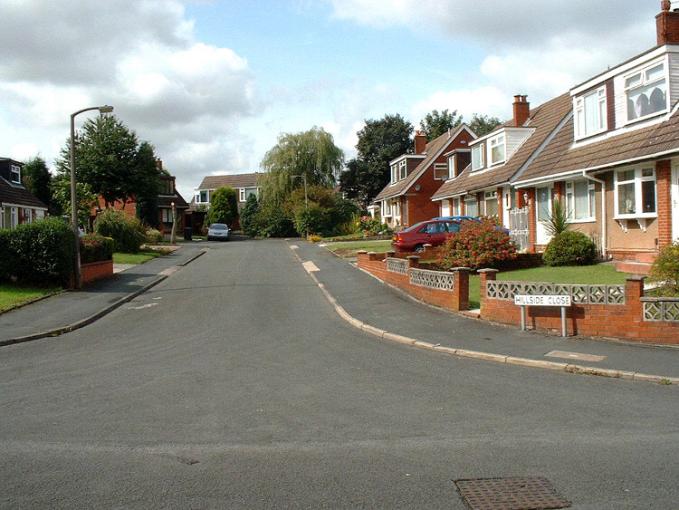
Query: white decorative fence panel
(432, 279)
(661, 309)
(395, 265)
(580, 294)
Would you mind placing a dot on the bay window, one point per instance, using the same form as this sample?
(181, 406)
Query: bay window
(497, 149)
(646, 92)
(635, 193)
(490, 198)
(580, 200)
(471, 205)
(478, 156)
(590, 113)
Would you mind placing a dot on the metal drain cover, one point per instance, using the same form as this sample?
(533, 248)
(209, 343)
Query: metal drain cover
(510, 494)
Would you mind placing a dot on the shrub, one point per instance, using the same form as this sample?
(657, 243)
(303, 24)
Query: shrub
(478, 244)
(665, 269)
(273, 222)
(311, 220)
(314, 238)
(153, 236)
(40, 252)
(6, 255)
(95, 248)
(127, 233)
(570, 248)
(370, 226)
(223, 206)
(248, 217)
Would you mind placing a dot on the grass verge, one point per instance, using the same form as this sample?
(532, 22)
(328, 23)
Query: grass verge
(350, 248)
(135, 258)
(12, 296)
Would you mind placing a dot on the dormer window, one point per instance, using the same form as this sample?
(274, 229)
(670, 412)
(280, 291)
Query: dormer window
(15, 174)
(497, 149)
(402, 169)
(478, 156)
(590, 113)
(451, 167)
(394, 173)
(646, 92)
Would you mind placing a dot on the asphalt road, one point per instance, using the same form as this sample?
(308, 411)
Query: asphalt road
(233, 384)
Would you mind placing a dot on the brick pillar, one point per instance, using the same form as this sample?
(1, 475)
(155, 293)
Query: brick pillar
(634, 291)
(390, 254)
(372, 255)
(462, 207)
(532, 234)
(486, 275)
(361, 258)
(500, 205)
(461, 288)
(663, 177)
(560, 190)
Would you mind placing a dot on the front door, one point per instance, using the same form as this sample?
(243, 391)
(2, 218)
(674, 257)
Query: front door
(675, 203)
(543, 205)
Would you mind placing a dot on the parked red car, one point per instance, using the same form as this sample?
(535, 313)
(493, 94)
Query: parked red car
(434, 232)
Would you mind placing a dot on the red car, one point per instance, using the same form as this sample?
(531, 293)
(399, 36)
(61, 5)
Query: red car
(434, 232)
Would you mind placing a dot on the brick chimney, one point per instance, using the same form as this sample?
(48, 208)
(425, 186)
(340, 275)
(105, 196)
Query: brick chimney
(667, 24)
(521, 110)
(159, 165)
(420, 142)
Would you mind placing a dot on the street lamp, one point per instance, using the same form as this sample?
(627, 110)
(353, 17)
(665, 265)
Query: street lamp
(74, 205)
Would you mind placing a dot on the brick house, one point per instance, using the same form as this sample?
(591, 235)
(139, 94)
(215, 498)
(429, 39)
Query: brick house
(17, 204)
(406, 200)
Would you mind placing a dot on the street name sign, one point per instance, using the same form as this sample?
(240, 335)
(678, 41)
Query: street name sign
(540, 300)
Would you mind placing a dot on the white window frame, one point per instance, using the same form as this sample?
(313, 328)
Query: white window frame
(451, 166)
(490, 196)
(15, 169)
(645, 83)
(581, 113)
(386, 209)
(402, 170)
(13, 217)
(241, 194)
(638, 179)
(200, 197)
(497, 141)
(481, 150)
(455, 208)
(394, 173)
(443, 168)
(570, 201)
(470, 199)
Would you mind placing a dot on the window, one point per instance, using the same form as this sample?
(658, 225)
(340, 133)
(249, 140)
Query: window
(440, 171)
(248, 192)
(402, 169)
(14, 218)
(478, 159)
(241, 194)
(635, 193)
(451, 167)
(491, 203)
(590, 113)
(166, 215)
(646, 92)
(456, 207)
(497, 149)
(166, 187)
(386, 209)
(394, 173)
(580, 200)
(15, 173)
(471, 205)
(202, 197)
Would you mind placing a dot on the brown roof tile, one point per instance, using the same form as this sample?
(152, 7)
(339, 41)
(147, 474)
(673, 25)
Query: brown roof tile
(15, 194)
(544, 119)
(234, 181)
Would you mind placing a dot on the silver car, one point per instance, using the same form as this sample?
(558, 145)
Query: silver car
(218, 232)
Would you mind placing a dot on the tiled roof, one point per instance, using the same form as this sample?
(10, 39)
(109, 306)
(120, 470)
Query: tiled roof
(166, 201)
(558, 157)
(544, 119)
(11, 194)
(432, 151)
(234, 181)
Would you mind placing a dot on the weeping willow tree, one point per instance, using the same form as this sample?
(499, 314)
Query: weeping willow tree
(311, 154)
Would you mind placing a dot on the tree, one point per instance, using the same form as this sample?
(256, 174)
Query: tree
(148, 184)
(311, 154)
(37, 179)
(483, 124)
(435, 124)
(248, 217)
(379, 142)
(223, 206)
(61, 197)
(106, 158)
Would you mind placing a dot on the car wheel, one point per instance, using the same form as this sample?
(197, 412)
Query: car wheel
(419, 248)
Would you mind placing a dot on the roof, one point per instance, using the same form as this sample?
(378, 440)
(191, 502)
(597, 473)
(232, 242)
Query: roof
(14, 194)
(644, 143)
(166, 201)
(234, 181)
(544, 119)
(432, 151)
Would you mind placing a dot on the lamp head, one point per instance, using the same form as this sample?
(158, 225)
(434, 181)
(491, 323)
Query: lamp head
(105, 109)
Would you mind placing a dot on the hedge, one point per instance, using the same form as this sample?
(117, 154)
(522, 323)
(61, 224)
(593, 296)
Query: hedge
(95, 248)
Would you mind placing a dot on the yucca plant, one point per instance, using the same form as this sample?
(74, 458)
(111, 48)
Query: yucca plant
(558, 222)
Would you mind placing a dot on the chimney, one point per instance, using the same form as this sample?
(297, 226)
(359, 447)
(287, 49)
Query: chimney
(420, 142)
(159, 165)
(667, 24)
(521, 110)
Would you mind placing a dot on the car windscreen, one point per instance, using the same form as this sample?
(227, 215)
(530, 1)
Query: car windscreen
(415, 227)
(218, 226)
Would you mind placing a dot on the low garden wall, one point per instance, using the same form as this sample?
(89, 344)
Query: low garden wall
(94, 271)
(448, 290)
(619, 311)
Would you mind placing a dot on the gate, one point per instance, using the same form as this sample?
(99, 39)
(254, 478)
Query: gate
(518, 228)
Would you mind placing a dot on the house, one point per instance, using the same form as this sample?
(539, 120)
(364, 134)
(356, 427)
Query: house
(483, 187)
(406, 199)
(17, 204)
(614, 162)
(244, 184)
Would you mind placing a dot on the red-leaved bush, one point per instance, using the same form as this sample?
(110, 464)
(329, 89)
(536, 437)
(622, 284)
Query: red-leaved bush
(477, 245)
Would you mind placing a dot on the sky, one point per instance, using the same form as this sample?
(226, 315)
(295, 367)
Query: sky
(213, 83)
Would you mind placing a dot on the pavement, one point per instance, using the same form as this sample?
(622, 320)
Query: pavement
(374, 303)
(233, 383)
(68, 309)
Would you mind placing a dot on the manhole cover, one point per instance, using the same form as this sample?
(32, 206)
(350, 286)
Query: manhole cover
(510, 494)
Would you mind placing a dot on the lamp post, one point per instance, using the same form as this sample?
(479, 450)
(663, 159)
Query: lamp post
(74, 205)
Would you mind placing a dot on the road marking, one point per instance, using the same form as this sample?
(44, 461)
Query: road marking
(169, 271)
(575, 355)
(310, 266)
(294, 247)
(141, 307)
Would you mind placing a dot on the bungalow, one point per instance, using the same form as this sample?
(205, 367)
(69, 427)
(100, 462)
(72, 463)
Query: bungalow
(406, 200)
(614, 161)
(17, 204)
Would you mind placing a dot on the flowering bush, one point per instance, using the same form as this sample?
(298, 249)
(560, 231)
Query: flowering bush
(370, 226)
(478, 244)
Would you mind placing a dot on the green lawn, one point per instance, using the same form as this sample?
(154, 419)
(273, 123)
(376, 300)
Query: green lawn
(599, 274)
(350, 248)
(13, 295)
(135, 258)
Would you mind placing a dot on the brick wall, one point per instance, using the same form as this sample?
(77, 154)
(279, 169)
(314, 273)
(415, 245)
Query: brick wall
(96, 271)
(456, 300)
(663, 175)
(619, 321)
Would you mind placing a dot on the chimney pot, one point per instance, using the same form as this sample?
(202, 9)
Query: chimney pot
(420, 142)
(521, 110)
(667, 24)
